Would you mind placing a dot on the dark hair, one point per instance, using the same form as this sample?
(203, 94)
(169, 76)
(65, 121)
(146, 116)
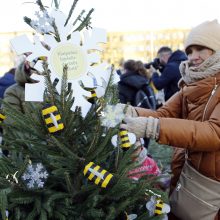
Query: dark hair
(129, 65)
(136, 66)
(164, 49)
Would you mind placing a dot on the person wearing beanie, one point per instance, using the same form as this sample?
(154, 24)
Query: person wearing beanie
(190, 122)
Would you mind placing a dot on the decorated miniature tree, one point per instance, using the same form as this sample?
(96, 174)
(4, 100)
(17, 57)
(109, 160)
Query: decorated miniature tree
(61, 162)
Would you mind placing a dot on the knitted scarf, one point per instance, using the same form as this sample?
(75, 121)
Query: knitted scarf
(210, 67)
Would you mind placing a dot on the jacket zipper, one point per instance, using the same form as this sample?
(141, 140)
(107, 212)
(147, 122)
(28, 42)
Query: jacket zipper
(206, 106)
(210, 97)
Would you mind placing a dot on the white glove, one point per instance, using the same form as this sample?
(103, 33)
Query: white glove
(129, 110)
(142, 127)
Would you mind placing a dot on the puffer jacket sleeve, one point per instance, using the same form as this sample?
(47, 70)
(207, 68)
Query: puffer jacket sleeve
(193, 135)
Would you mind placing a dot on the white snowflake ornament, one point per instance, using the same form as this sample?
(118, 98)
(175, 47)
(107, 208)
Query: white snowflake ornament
(78, 50)
(112, 115)
(35, 176)
(43, 23)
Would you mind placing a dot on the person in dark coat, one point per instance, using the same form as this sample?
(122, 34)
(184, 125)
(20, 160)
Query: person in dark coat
(170, 76)
(132, 79)
(6, 80)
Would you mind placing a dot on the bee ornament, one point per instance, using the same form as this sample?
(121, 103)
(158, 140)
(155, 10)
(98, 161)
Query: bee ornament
(2, 117)
(98, 175)
(127, 139)
(34, 61)
(93, 96)
(157, 207)
(52, 118)
(125, 142)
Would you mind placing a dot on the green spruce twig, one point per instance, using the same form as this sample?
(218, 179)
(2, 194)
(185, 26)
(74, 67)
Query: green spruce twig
(64, 86)
(56, 4)
(69, 184)
(27, 20)
(40, 4)
(79, 17)
(56, 32)
(71, 11)
(49, 85)
(85, 22)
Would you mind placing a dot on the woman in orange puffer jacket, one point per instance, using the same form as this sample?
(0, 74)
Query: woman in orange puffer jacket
(190, 119)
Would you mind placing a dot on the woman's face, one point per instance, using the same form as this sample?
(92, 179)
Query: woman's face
(198, 54)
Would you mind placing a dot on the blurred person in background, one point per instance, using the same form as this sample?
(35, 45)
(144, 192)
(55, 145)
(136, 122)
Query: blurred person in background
(8, 78)
(133, 79)
(119, 70)
(170, 75)
(15, 94)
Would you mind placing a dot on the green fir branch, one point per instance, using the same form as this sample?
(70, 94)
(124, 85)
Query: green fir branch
(43, 215)
(79, 17)
(50, 93)
(4, 201)
(71, 12)
(56, 196)
(64, 86)
(69, 184)
(22, 198)
(40, 4)
(56, 4)
(56, 32)
(32, 214)
(65, 150)
(85, 22)
(27, 20)
(59, 215)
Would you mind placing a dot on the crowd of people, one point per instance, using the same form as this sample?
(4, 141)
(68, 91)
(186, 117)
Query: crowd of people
(187, 118)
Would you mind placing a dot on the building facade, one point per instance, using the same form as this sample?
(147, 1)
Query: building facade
(139, 45)
(142, 45)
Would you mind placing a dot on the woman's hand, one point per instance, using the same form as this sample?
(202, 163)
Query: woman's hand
(142, 126)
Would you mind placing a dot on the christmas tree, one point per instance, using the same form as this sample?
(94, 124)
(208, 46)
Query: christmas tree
(61, 162)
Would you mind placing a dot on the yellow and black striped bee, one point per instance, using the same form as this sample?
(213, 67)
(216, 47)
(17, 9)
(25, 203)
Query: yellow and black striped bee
(93, 96)
(98, 175)
(159, 207)
(34, 61)
(125, 142)
(2, 117)
(52, 118)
